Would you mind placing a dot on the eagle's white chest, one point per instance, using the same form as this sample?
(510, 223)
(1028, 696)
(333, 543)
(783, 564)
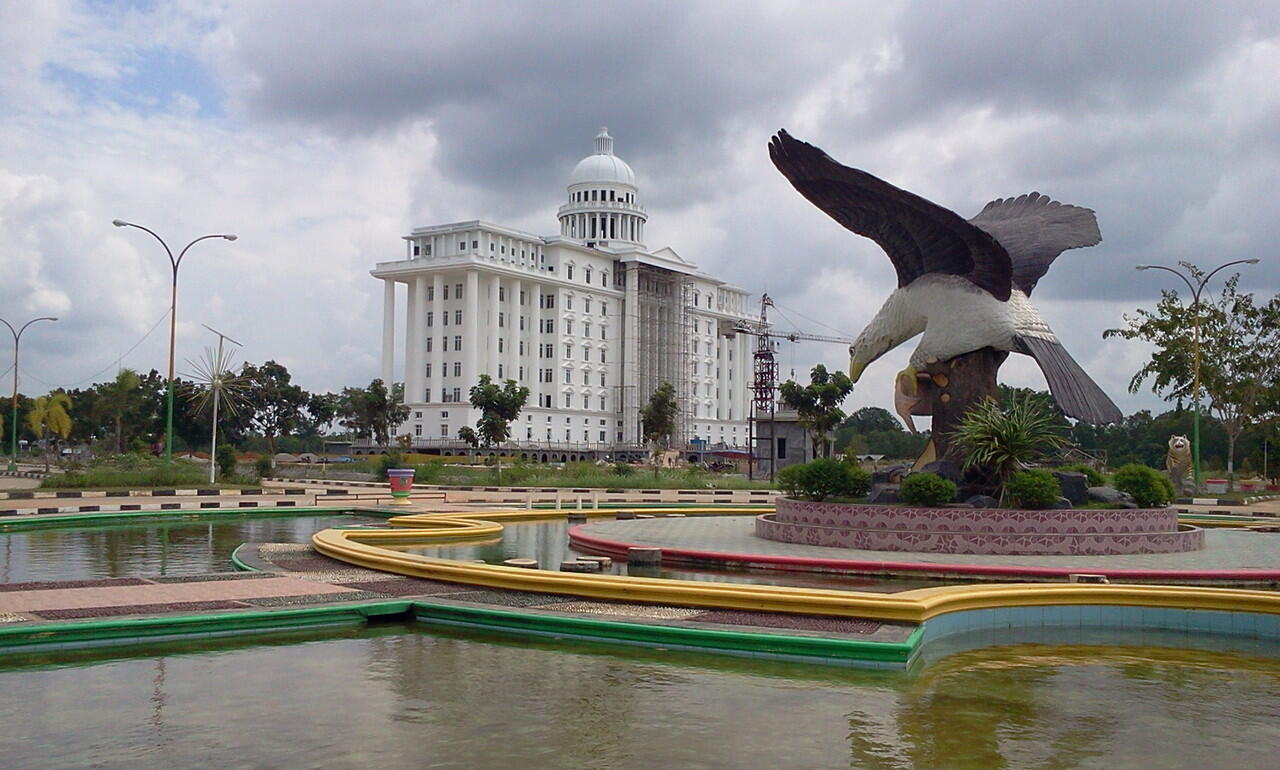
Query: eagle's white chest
(959, 317)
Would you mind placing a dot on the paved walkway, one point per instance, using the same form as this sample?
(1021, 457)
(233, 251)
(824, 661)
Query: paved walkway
(41, 598)
(1224, 549)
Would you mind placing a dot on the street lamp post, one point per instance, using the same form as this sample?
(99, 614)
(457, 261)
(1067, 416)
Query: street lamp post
(1196, 290)
(173, 316)
(17, 335)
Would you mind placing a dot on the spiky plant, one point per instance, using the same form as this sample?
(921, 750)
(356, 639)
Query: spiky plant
(1005, 441)
(215, 384)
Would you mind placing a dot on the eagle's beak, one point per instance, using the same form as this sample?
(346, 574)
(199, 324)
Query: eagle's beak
(855, 369)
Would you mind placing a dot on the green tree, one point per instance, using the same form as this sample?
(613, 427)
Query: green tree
(1004, 441)
(1236, 362)
(658, 419)
(51, 414)
(119, 399)
(275, 404)
(817, 404)
(498, 407)
(372, 412)
(320, 411)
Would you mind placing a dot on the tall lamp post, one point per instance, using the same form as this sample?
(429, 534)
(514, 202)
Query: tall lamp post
(1196, 289)
(17, 335)
(173, 316)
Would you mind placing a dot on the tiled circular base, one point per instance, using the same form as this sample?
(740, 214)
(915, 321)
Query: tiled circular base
(979, 530)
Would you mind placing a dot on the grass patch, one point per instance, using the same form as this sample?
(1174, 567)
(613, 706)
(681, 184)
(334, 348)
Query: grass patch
(136, 472)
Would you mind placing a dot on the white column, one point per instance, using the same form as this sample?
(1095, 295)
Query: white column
(739, 395)
(437, 345)
(514, 336)
(722, 376)
(536, 362)
(414, 319)
(388, 330)
(495, 307)
(473, 332)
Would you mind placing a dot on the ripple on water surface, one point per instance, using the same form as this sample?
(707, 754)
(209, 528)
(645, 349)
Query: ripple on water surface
(405, 697)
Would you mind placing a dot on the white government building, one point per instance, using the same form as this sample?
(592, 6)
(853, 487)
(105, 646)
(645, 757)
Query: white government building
(590, 320)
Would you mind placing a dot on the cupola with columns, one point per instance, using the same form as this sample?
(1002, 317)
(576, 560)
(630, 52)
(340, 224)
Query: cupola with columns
(603, 210)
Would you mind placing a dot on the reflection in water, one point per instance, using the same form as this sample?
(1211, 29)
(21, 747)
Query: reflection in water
(409, 697)
(181, 548)
(548, 542)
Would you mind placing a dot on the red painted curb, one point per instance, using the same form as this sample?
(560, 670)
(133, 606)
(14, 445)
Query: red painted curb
(618, 549)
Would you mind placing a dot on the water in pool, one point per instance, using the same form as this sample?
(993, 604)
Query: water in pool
(184, 547)
(408, 696)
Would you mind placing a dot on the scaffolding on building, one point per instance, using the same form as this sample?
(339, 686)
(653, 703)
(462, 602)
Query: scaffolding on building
(665, 334)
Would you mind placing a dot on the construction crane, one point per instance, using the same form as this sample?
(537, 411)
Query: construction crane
(765, 374)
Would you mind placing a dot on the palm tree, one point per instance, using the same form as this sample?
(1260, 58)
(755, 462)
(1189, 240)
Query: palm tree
(50, 414)
(118, 398)
(1005, 441)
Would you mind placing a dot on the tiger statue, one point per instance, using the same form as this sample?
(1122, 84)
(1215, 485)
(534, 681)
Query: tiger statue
(1177, 463)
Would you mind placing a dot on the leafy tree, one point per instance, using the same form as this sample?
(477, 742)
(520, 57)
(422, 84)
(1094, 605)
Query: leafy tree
(371, 412)
(1004, 441)
(50, 414)
(275, 404)
(1238, 369)
(320, 411)
(498, 407)
(658, 419)
(119, 399)
(818, 404)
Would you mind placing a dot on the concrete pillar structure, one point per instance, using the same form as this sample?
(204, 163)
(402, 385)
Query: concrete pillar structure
(495, 331)
(388, 330)
(631, 356)
(514, 335)
(474, 336)
(437, 345)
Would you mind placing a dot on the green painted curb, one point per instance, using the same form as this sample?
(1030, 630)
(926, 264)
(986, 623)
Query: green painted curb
(849, 650)
(239, 565)
(130, 630)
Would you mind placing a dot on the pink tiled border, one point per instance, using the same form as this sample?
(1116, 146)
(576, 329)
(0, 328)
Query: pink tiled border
(993, 521)
(979, 530)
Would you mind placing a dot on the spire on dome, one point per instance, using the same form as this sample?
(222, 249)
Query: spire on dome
(604, 142)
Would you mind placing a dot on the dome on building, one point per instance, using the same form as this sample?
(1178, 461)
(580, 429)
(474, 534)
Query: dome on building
(603, 165)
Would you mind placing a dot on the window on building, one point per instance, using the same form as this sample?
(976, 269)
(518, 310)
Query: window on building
(586, 353)
(462, 245)
(431, 293)
(446, 291)
(568, 404)
(427, 396)
(457, 394)
(502, 320)
(602, 355)
(501, 345)
(568, 350)
(417, 430)
(568, 302)
(586, 329)
(427, 249)
(521, 348)
(602, 409)
(782, 449)
(500, 372)
(521, 378)
(602, 379)
(457, 317)
(603, 333)
(444, 318)
(586, 404)
(417, 250)
(586, 377)
(428, 373)
(430, 318)
(568, 376)
(457, 342)
(475, 244)
(429, 339)
(457, 368)
(586, 304)
(457, 291)
(521, 323)
(604, 278)
(568, 272)
(604, 308)
(502, 291)
(586, 275)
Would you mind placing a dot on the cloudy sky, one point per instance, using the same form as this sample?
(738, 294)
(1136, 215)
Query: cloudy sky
(321, 132)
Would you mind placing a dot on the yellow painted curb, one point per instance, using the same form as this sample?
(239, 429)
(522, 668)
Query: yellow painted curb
(365, 548)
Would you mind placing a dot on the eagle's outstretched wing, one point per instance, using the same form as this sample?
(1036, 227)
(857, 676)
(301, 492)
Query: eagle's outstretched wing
(1034, 230)
(919, 236)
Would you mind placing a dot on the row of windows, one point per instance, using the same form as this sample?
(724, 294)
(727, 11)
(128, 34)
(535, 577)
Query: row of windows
(585, 196)
(604, 276)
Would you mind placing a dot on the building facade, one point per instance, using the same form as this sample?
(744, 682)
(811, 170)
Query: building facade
(589, 319)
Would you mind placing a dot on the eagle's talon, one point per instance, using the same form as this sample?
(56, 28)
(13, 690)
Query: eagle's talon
(908, 381)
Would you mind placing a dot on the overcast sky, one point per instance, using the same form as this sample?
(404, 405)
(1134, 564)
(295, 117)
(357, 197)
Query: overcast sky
(322, 132)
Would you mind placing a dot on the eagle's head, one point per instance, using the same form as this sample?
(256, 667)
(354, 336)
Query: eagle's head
(862, 352)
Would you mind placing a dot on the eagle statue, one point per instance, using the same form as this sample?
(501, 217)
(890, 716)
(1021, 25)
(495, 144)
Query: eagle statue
(962, 285)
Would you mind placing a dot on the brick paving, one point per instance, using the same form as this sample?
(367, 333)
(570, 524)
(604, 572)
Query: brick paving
(149, 593)
(1224, 549)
